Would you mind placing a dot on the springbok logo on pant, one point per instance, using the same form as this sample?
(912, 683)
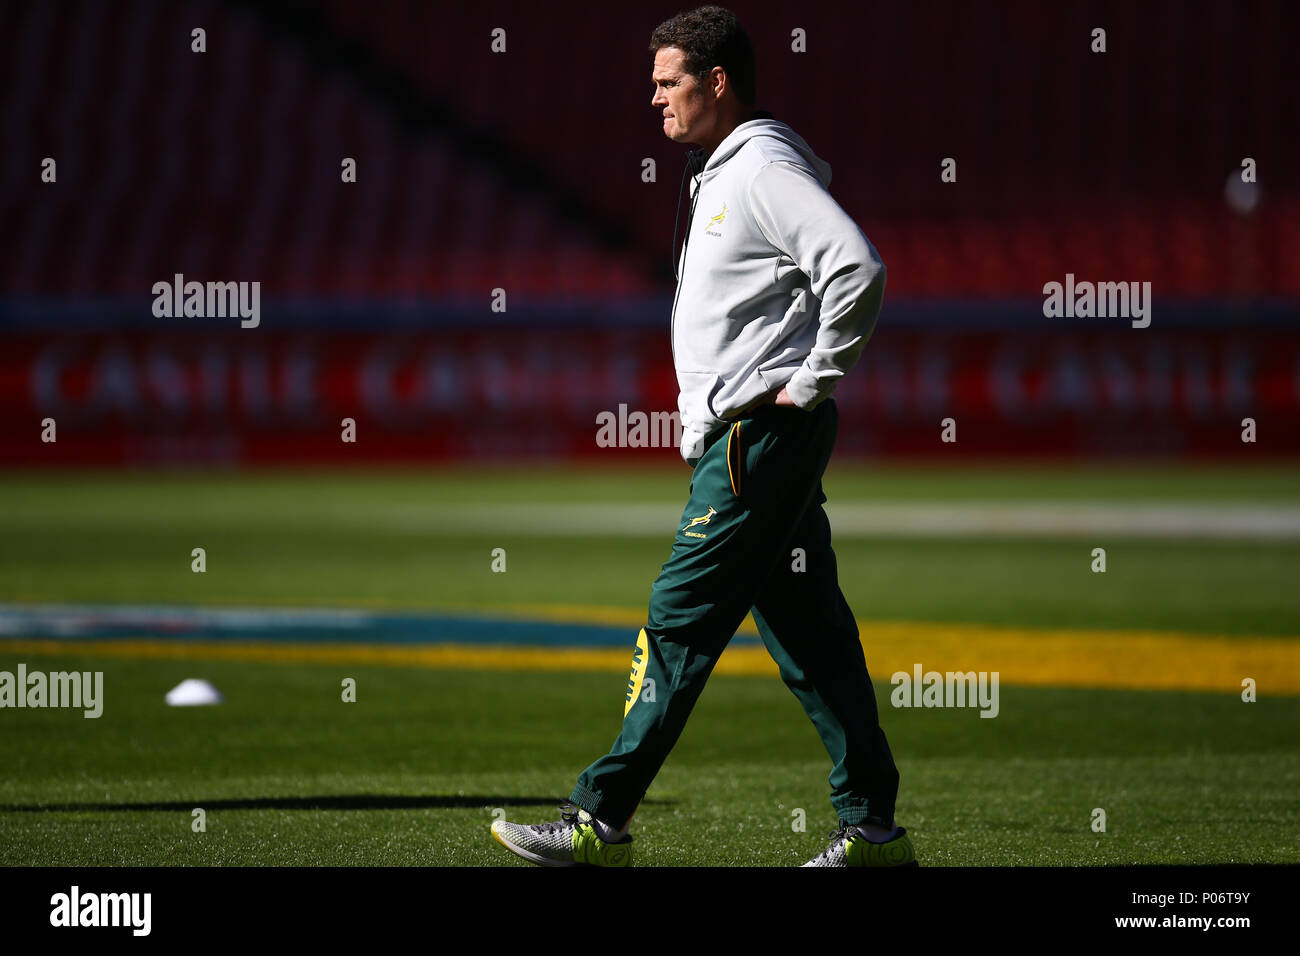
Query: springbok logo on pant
(637, 676)
(702, 519)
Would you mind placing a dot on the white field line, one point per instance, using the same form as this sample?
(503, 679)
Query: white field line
(864, 519)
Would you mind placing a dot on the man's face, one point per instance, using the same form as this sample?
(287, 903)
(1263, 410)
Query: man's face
(688, 108)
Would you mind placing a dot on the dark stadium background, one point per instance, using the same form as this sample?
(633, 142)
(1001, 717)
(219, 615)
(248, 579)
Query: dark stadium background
(522, 171)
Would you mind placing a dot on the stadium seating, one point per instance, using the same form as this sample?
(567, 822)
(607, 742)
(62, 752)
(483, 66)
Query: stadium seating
(523, 169)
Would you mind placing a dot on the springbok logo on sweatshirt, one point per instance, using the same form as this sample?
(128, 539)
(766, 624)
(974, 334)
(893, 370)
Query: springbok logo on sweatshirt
(716, 219)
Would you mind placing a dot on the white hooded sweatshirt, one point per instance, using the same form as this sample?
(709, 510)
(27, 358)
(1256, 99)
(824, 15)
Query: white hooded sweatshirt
(777, 286)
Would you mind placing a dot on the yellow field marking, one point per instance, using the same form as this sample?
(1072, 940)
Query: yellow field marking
(1061, 657)
(449, 656)
(1056, 657)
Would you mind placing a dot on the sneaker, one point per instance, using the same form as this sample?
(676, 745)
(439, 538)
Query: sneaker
(572, 841)
(850, 848)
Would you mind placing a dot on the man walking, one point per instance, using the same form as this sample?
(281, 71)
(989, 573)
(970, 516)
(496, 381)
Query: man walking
(778, 291)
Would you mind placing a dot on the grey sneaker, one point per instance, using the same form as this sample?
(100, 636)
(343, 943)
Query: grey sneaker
(850, 848)
(571, 841)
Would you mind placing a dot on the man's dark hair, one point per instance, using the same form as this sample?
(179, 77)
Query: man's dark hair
(711, 36)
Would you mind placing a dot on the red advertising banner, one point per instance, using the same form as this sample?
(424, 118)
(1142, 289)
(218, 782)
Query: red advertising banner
(156, 396)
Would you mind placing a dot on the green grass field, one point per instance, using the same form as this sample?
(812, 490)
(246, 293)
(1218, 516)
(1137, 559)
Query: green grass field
(410, 774)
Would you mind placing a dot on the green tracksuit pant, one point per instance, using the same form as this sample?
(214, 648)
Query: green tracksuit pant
(756, 496)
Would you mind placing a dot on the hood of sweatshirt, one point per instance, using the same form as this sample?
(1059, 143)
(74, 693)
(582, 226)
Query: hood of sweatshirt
(765, 125)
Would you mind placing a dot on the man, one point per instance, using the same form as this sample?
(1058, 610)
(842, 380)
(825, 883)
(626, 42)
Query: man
(778, 291)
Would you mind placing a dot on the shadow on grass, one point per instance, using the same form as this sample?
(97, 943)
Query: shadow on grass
(336, 802)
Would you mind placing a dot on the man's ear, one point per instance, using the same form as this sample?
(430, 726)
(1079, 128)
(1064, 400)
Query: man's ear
(720, 82)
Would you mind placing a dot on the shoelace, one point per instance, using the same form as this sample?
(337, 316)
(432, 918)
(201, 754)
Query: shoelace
(836, 837)
(568, 818)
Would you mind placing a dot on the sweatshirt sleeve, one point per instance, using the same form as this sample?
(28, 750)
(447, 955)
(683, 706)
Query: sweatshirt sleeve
(798, 216)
